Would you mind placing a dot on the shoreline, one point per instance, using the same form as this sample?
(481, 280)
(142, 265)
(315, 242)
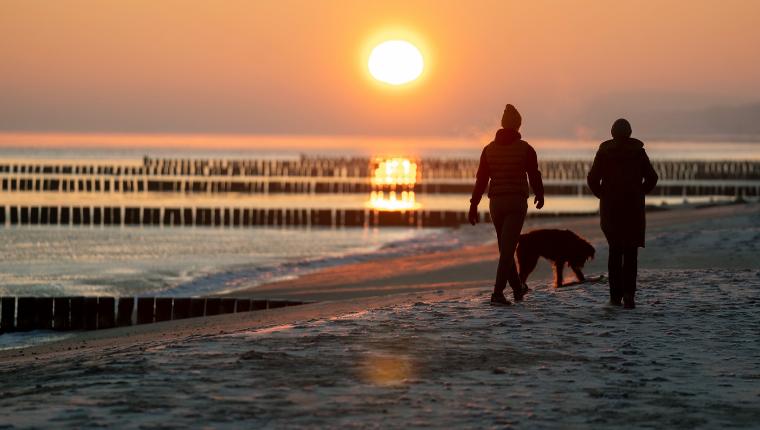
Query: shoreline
(435, 352)
(367, 285)
(115, 339)
(472, 264)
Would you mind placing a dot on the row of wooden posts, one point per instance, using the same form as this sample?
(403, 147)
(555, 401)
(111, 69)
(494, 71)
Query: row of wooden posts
(283, 186)
(683, 170)
(429, 168)
(91, 313)
(226, 217)
(249, 185)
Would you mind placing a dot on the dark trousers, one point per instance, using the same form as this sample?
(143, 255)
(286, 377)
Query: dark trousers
(508, 214)
(622, 267)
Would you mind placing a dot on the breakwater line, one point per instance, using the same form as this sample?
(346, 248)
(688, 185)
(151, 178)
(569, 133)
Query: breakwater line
(344, 176)
(95, 313)
(224, 217)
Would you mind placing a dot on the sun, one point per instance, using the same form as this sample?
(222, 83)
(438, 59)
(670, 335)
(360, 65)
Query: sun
(395, 62)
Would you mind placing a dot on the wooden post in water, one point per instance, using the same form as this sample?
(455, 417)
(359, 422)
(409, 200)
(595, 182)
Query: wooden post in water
(197, 307)
(187, 217)
(61, 310)
(76, 305)
(53, 214)
(125, 308)
(242, 305)
(163, 309)
(25, 314)
(106, 312)
(213, 306)
(257, 305)
(44, 313)
(227, 306)
(181, 308)
(90, 313)
(7, 314)
(145, 310)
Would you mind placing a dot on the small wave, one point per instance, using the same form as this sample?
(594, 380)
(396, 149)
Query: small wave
(241, 277)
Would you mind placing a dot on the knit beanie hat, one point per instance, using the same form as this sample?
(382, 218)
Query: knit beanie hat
(621, 128)
(511, 119)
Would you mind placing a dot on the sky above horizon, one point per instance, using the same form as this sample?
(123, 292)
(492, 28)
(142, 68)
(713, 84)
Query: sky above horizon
(296, 67)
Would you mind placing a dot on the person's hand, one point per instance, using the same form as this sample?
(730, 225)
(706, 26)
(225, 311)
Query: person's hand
(539, 201)
(473, 215)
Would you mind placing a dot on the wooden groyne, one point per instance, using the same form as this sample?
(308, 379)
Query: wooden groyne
(224, 217)
(342, 175)
(94, 313)
(716, 187)
(359, 167)
(677, 170)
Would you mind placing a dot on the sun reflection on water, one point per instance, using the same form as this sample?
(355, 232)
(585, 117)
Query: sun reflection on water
(402, 201)
(396, 171)
(393, 180)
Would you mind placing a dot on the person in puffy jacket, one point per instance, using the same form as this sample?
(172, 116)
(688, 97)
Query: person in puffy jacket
(620, 177)
(506, 162)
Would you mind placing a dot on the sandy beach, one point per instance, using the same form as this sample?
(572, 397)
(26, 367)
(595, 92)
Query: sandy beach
(415, 344)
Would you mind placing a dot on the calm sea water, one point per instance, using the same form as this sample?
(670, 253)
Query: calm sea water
(51, 261)
(546, 148)
(37, 260)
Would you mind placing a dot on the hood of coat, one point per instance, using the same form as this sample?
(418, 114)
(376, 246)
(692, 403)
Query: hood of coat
(622, 147)
(505, 135)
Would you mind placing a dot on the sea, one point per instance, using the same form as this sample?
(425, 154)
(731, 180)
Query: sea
(194, 261)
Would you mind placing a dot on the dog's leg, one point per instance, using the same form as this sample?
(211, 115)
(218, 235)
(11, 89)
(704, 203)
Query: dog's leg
(578, 273)
(558, 268)
(526, 262)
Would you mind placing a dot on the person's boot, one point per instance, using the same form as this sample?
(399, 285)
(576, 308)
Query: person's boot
(498, 298)
(518, 293)
(616, 296)
(628, 302)
(518, 288)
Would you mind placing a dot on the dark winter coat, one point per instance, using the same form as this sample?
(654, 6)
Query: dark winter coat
(620, 177)
(506, 162)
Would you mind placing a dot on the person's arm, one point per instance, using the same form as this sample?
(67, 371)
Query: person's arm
(650, 176)
(594, 178)
(481, 182)
(534, 177)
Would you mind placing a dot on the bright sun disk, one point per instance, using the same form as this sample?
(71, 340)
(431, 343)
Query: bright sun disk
(395, 62)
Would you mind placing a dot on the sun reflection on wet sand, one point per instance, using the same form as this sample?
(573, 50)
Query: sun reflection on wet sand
(386, 369)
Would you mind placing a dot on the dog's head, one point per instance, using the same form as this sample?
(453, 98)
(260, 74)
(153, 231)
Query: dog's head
(587, 252)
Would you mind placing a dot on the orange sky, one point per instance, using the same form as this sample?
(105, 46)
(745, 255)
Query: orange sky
(297, 67)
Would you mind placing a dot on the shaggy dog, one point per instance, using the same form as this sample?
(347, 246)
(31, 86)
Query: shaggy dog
(559, 246)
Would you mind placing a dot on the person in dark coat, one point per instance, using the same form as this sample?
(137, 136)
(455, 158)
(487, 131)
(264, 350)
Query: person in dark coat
(506, 162)
(620, 177)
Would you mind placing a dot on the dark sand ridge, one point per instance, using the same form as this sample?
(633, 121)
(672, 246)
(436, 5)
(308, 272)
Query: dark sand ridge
(424, 277)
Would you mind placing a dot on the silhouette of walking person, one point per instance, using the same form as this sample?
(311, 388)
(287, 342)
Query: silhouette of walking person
(505, 162)
(620, 177)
